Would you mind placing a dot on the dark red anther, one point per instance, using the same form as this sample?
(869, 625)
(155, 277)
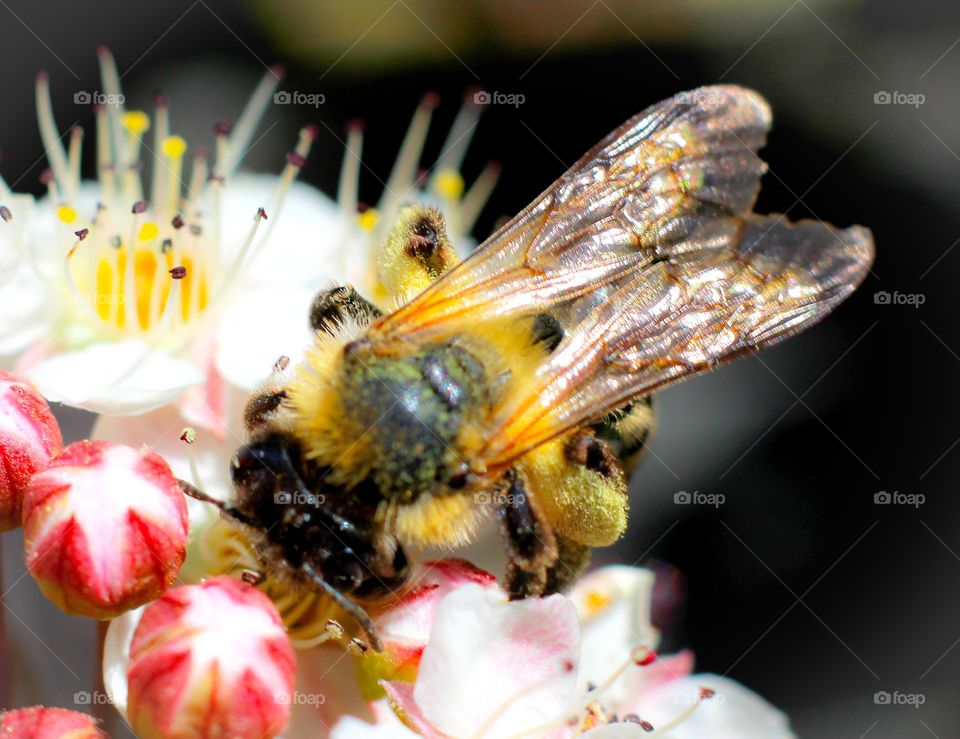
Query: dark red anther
(159, 100)
(261, 213)
(82, 233)
(178, 273)
(278, 71)
(356, 124)
(222, 128)
(281, 364)
(568, 665)
(295, 159)
(707, 693)
(177, 221)
(139, 207)
(5, 213)
(312, 131)
(46, 177)
(430, 99)
(218, 178)
(644, 658)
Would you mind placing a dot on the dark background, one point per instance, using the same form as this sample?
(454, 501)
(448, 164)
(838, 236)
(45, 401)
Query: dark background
(799, 585)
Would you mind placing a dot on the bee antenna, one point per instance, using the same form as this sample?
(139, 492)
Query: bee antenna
(366, 623)
(226, 507)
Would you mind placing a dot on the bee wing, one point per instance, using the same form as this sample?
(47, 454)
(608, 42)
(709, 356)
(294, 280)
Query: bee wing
(651, 182)
(737, 284)
(646, 253)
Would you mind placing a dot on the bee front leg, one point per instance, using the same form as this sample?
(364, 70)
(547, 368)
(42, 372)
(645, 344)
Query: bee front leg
(334, 306)
(529, 540)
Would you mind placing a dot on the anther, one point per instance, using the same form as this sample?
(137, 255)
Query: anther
(281, 364)
(166, 245)
(333, 628)
(707, 693)
(46, 177)
(222, 128)
(177, 222)
(195, 229)
(178, 273)
(632, 718)
(642, 656)
(82, 233)
(261, 213)
(139, 207)
(252, 577)
(5, 213)
(116, 242)
(189, 435)
(295, 159)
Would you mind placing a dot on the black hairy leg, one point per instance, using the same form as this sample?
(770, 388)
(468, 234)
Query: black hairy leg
(332, 307)
(528, 538)
(260, 406)
(572, 560)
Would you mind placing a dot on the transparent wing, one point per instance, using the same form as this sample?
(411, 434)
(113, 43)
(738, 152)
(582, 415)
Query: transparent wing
(651, 182)
(647, 254)
(736, 285)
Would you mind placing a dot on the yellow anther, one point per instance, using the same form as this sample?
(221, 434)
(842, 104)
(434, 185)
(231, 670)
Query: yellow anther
(449, 184)
(66, 214)
(136, 121)
(173, 147)
(368, 219)
(148, 231)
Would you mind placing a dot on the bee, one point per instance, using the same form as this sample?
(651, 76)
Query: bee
(514, 385)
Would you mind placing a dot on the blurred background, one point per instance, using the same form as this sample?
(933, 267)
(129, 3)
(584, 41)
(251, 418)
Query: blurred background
(817, 560)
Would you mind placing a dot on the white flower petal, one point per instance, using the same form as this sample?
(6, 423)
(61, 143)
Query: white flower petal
(261, 325)
(614, 607)
(484, 651)
(116, 657)
(121, 378)
(735, 712)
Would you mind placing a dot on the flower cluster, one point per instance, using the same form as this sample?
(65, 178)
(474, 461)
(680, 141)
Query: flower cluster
(137, 298)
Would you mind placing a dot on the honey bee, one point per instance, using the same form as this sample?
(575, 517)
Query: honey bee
(514, 384)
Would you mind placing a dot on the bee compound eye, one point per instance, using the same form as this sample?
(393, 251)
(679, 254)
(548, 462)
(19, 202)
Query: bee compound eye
(344, 572)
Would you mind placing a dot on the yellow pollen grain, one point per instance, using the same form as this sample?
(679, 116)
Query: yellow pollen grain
(148, 231)
(596, 602)
(66, 214)
(368, 219)
(173, 147)
(136, 121)
(449, 184)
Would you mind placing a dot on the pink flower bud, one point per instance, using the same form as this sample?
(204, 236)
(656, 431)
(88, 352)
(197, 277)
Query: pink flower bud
(39, 722)
(210, 660)
(29, 436)
(105, 528)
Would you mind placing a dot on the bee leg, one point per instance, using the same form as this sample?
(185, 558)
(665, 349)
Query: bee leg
(260, 406)
(529, 539)
(572, 559)
(332, 307)
(417, 251)
(629, 430)
(361, 616)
